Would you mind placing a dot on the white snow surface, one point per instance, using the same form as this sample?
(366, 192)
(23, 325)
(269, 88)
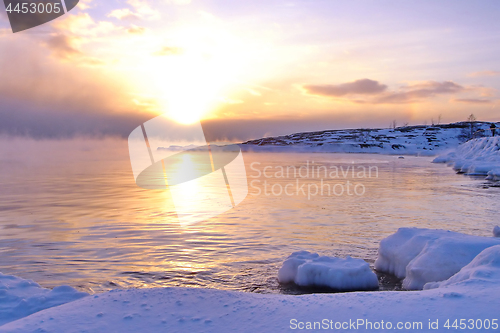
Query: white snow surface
(308, 269)
(427, 255)
(207, 310)
(20, 298)
(484, 268)
(475, 157)
(472, 293)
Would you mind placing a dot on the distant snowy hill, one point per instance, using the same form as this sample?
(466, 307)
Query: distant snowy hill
(420, 140)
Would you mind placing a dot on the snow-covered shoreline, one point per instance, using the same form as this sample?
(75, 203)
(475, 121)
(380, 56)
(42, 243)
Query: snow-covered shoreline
(471, 294)
(480, 157)
(408, 140)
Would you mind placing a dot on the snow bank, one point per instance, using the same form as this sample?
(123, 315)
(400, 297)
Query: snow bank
(204, 310)
(484, 268)
(425, 255)
(472, 293)
(476, 157)
(309, 269)
(20, 298)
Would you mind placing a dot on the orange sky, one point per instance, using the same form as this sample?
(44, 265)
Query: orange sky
(266, 68)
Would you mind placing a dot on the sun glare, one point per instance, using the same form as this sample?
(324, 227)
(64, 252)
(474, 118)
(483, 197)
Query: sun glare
(188, 85)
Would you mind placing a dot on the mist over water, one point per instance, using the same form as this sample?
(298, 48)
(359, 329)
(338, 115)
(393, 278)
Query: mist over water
(70, 213)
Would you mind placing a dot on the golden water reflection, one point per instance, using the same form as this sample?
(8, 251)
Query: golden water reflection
(76, 217)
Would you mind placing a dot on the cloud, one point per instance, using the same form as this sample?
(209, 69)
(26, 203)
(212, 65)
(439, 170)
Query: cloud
(56, 89)
(358, 87)
(473, 101)
(85, 27)
(71, 34)
(84, 4)
(367, 91)
(64, 104)
(168, 50)
(135, 30)
(253, 92)
(419, 91)
(62, 46)
(178, 2)
(124, 14)
(142, 11)
(484, 73)
(227, 100)
(42, 97)
(31, 121)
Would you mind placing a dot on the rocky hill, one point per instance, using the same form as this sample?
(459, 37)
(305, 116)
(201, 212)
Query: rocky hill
(427, 140)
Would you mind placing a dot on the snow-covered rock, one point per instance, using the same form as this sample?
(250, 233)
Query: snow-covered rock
(475, 157)
(496, 231)
(20, 298)
(426, 255)
(309, 269)
(484, 268)
(409, 140)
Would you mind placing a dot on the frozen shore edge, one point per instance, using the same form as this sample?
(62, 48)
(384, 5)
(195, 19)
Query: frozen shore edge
(478, 157)
(469, 294)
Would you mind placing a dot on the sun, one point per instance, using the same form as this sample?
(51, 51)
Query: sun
(188, 84)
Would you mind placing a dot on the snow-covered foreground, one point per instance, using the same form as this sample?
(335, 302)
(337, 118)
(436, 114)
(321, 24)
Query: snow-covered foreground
(468, 299)
(205, 310)
(476, 157)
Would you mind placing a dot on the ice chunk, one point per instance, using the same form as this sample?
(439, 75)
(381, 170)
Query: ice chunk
(309, 269)
(496, 231)
(484, 268)
(424, 255)
(494, 174)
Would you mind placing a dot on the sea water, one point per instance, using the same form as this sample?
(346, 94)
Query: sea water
(71, 213)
